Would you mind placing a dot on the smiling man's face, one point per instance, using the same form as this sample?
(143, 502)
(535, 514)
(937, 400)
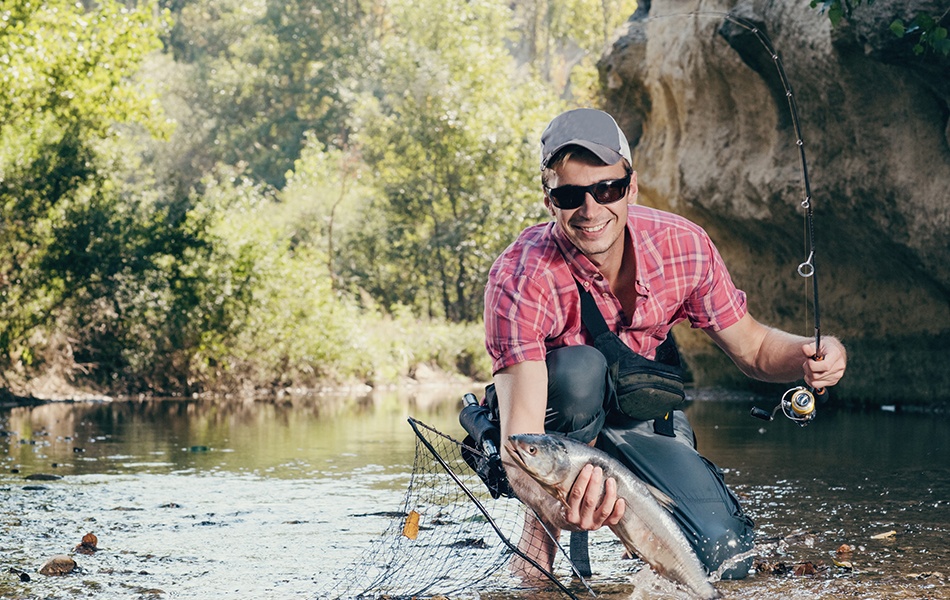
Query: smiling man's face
(595, 229)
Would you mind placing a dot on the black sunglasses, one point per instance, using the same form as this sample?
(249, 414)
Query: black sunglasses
(569, 197)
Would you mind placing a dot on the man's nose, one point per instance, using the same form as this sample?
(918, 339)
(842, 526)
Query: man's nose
(589, 205)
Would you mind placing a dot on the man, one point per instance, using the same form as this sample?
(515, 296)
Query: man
(645, 270)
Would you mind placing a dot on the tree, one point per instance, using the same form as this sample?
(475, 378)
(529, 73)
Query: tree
(252, 78)
(450, 136)
(563, 39)
(67, 85)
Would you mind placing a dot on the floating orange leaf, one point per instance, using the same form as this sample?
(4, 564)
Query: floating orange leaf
(411, 528)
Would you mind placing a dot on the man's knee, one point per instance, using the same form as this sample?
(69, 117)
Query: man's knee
(726, 546)
(577, 386)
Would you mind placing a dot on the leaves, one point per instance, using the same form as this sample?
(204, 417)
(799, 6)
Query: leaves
(933, 36)
(68, 83)
(447, 135)
(411, 528)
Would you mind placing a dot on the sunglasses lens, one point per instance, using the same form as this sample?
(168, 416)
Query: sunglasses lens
(608, 192)
(568, 197)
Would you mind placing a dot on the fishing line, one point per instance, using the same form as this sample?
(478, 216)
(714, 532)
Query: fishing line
(806, 269)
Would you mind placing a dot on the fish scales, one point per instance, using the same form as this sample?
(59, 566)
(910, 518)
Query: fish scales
(647, 529)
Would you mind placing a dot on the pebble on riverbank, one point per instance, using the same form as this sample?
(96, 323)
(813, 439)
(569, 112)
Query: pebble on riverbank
(42, 477)
(58, 565)
(88, 544)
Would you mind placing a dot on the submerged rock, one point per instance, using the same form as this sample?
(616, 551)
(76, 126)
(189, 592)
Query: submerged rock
(42, 477)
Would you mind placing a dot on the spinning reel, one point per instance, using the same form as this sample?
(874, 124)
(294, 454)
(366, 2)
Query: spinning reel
(798, 404)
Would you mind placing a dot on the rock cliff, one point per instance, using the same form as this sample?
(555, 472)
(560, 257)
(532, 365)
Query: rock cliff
(703, 103)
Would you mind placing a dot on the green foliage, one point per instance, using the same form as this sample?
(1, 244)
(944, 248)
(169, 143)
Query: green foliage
(74, 65)
(340, 176)
(451, 137)
(66, 230)
(562, 40)
(927, 27)
(265, 314)
(259, 75)
(327, 195)
(836, 9)
(930, 34)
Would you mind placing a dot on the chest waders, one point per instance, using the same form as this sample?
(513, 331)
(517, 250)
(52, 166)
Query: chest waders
(663, 453)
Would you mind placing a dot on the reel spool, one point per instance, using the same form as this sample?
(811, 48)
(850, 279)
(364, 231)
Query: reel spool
(798, 404)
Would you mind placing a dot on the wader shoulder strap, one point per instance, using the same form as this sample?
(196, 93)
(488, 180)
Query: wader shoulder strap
(667, 352)
(590, 315)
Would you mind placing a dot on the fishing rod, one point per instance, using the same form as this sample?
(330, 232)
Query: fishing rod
(798, 403)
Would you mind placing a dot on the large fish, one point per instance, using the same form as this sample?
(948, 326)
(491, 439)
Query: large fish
(647, 529)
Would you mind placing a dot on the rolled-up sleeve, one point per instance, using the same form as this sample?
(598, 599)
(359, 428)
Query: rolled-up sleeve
(518, 319)
(715, 303)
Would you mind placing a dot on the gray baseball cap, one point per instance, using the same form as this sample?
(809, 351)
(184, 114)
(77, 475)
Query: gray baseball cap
(589, 128)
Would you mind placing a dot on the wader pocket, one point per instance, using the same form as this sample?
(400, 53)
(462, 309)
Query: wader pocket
(644, 396)
(646, 389)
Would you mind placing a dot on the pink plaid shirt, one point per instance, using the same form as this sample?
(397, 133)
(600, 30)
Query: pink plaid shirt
(532, 305)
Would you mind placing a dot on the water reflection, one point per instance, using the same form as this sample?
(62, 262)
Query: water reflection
(280, 440)
(261, 498)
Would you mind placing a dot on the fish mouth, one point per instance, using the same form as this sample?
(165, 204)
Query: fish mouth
(515, 448)
(514, 451)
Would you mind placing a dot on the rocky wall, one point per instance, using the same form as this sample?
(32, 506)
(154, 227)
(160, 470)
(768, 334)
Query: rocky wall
(703, 103)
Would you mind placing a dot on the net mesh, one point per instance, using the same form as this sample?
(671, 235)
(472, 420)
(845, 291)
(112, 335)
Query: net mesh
(460, 543)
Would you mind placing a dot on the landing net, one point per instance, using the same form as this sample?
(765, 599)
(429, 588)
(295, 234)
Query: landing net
(451, 538)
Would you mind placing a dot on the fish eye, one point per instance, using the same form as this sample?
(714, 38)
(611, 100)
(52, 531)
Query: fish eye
(532, 450)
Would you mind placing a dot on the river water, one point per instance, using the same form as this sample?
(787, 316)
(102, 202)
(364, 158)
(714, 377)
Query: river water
(198, 499)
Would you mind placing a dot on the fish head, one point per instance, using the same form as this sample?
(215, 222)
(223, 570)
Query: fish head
(546, 459)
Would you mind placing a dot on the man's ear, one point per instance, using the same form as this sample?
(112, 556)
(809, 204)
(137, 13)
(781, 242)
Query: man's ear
(633, 191)
(548, 205)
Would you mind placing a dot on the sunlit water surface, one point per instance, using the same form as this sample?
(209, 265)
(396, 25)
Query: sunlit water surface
(202, 500)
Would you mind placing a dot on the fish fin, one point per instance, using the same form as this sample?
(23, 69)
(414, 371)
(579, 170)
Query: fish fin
(664, 500)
